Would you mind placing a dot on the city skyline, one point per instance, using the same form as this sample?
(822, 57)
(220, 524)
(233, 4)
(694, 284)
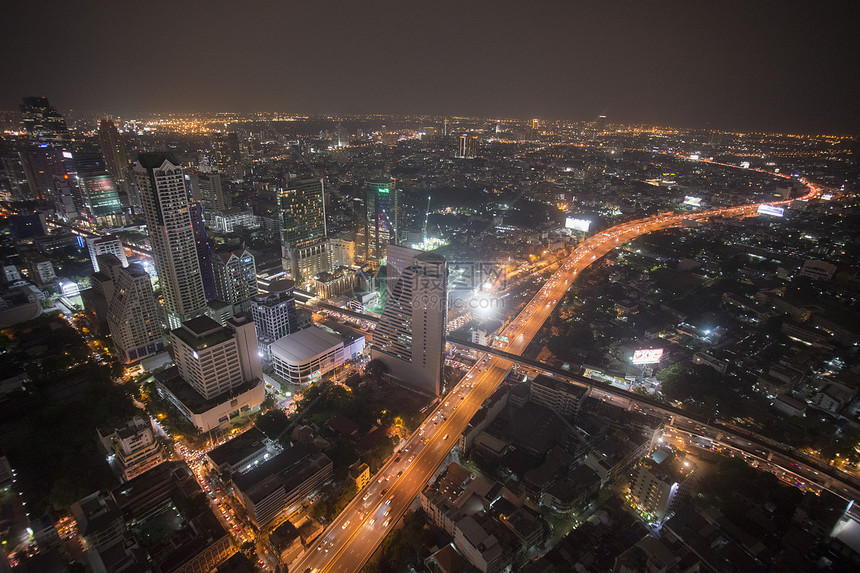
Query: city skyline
(770, 66)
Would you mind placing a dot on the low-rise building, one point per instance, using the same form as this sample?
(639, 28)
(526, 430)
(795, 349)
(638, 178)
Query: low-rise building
(307, 355)
(360, 474)
(281, 484)
(243, 453)
(132, 448)
(562, 397)
(99, 519)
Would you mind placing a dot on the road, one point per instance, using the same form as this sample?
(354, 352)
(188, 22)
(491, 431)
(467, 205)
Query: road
(355, 534)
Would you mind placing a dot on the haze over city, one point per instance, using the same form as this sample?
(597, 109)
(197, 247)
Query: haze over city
(445, 287)
(781, 66)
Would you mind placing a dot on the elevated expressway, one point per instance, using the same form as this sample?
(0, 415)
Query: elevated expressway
(355, 534)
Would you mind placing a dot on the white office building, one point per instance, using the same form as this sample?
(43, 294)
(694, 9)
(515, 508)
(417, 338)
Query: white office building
(215, 359)
(274, 315)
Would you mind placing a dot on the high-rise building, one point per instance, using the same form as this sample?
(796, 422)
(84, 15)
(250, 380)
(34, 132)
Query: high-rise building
(114, 151)
(410, 336)
(207, 188)
(235, 278)
(214, 359)
(42, 121)
(381, 202)
(468, 147)
(274, 315)
(167, 210)
(204, 253)
(134, 319)
(301, 209)
(226, 158)
(397, 260)
(104, 245)
(95, 191)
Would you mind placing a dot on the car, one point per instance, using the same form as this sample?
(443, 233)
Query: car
(387, 511)
(387, 521)
(372, 521)
(345, 525)
(365, 496)
(400, 473)
(411, 458)
(445, 437)
(383, 492)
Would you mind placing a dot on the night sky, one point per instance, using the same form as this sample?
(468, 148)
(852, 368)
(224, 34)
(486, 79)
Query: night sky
(733, 65)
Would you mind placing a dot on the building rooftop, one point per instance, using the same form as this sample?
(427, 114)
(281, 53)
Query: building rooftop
(153, 160)
(174, 383)
(201, 332)
(305, 344)
(239, 448)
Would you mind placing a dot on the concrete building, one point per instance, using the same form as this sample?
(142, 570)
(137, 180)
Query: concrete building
(381, 202)
(302, 215)
(132, 448)
(658, 480)
(214, 359)
(410, 336)
(818, 270)
(562, 397)
(107, 244)
(308, 355)
(133, 316)
(282, 484)
(243, 453)
(166, 207)
(226, 221)
(342, 252)
(114, 151)
(99, 519)
(274, 315)
(235, 275)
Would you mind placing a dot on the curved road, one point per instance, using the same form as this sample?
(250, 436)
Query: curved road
(356, 533)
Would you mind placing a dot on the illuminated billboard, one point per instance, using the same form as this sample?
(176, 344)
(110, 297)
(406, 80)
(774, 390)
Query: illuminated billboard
(647, 356)
(577, 224)
(694, 201)
(770, 210)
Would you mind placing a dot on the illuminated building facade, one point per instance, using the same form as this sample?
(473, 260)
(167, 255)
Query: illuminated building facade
(301, 209)
(114, 151)
(167, 210)
(235, 275)
(468, 147)
(381, 200)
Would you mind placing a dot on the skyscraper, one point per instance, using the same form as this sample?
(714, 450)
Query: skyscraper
(274, 315)
(301, 209)
(235, 278)
(381, 217)
(410, 336)
(468, 147)
(133, 316)
(42, 121)
(167, 210)
(114, 151)
(226, 158)
(204, 255)
(94, 188)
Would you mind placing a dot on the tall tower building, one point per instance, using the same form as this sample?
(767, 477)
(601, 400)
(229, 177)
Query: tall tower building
(204, 254)
(167, 210)
(114, 151)
(93, 188)
(274, 315)
(133, 316)
(42, 121)
(235, 278)
(410, 336)
(468, 147)
(381, 217)
(301, 209)
(226, 158)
